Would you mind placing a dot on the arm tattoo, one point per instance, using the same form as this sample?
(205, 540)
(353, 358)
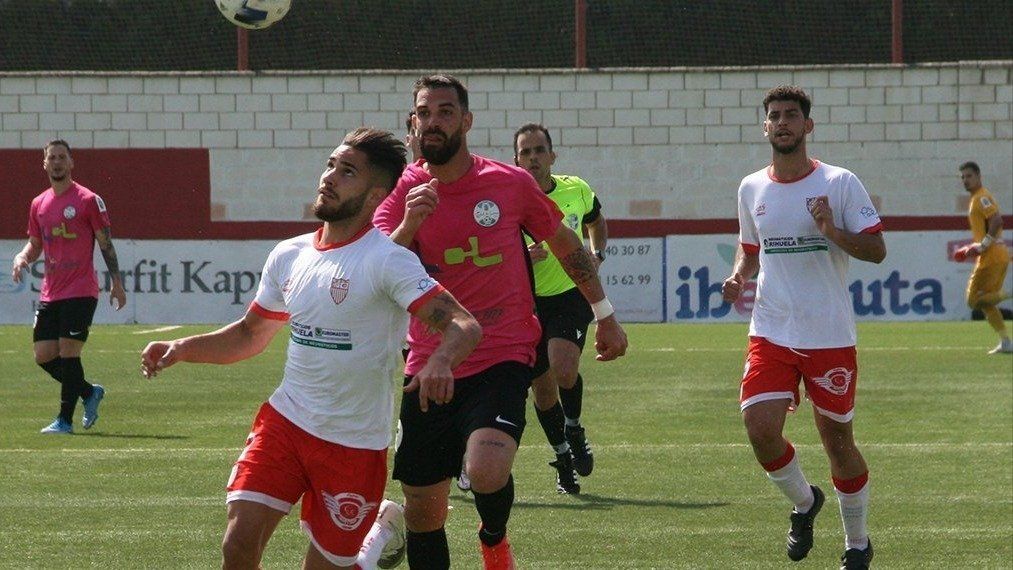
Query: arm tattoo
(109, 252)
(442, 312)
(579, 267)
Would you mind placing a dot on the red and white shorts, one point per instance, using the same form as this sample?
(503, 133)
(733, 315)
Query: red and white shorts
(773, 373)
(340, 487)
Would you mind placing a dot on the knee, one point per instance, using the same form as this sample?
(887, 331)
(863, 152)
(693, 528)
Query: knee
(566, 375)
(44, 355)
(239, 551)
(544, 390)
(838, 443)
(762, 435)
(488, 478)
(424, 512)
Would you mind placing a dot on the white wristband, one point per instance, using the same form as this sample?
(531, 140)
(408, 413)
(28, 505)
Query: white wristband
(986, 241)
(602, 309)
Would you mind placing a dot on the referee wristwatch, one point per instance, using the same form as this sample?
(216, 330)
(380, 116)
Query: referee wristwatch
(600, 256)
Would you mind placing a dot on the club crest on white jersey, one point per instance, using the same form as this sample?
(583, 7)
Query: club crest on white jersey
(339, 289)
(347, 510)
(486, 213)
(835, 380)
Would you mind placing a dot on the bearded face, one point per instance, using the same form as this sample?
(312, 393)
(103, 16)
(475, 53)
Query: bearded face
(344, 210)
(437, 148)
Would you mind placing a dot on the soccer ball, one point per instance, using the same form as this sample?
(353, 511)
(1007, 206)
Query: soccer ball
(253, 14)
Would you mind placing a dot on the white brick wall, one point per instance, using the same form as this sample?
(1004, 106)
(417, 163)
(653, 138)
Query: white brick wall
(684, 137)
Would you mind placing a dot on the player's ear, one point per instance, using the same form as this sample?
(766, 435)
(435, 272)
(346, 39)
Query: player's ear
(808, 125)
(467, 120)
(377, 194)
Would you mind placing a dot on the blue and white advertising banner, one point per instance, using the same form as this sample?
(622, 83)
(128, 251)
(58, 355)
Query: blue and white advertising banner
(172, 282)
(675, 279)
(918, 281)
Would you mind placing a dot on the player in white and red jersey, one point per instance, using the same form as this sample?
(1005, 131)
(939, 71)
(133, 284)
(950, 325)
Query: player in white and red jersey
(465, 216)
(64, 222)
(799, 222)
(345, 291)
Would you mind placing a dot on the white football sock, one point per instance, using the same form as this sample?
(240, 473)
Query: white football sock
(372, 546)
(790, 480)
(854, 513)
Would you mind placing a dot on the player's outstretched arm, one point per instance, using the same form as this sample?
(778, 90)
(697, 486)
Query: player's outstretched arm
(240, 340)
(28, 254)
(609, 337)
(461, 333)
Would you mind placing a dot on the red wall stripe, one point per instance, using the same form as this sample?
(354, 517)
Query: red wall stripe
(166, 194)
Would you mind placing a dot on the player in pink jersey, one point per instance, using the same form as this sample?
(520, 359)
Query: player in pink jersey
(64, 222)
(799, 223)
(345, 293)
(465, 216)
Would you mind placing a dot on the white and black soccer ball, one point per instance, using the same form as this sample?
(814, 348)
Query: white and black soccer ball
(253, 14)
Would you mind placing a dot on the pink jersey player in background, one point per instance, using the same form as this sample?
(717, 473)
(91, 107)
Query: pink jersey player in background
(64, 223)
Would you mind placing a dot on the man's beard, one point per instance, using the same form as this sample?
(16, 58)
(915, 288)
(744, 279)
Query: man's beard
(58, 177)
(442, 154)
(344, 211)
(787, 148)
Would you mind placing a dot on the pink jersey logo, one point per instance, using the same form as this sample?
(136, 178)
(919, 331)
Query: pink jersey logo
(835, 380)
(347, 510)
(339, 289)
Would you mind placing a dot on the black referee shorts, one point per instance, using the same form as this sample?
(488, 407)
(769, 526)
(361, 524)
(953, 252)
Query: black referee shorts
(566, 316)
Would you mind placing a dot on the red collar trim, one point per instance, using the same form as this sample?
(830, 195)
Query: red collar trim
(812, 162)
(317, 245)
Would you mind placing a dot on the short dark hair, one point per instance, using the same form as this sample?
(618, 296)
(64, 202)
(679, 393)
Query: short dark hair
(788, 93)
(408, 122)
(972, 165)
(442, 81)
(530, 128)
(383, 150)
(55, 142)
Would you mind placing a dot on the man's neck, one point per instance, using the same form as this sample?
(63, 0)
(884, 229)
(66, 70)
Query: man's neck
(973, 190)
(791, 166)
(548, 184)
(454, 169)
(61, 186)
(342, 231)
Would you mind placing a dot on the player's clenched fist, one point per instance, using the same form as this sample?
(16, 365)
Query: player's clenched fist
(420, 202)
(732, 288)
(156, 356)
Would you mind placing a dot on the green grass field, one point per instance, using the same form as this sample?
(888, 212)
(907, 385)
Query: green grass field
(675, 484)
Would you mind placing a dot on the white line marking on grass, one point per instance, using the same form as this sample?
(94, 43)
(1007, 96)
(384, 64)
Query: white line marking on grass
(860, 349)
(159, 329)
(175, 451)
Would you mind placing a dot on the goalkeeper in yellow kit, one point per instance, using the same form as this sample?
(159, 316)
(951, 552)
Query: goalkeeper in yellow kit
(984, 288)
